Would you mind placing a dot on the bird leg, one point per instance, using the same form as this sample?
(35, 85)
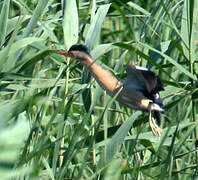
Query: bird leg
(157, 131)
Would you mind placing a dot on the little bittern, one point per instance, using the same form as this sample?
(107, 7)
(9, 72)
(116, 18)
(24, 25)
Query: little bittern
(139, 91)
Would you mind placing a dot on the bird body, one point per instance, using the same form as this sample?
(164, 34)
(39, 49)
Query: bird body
(139, 91)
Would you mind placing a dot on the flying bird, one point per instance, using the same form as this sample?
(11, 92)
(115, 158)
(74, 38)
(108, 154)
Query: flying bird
(139, 91)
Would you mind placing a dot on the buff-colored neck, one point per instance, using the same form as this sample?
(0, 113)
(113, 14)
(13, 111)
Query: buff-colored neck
(102, 76)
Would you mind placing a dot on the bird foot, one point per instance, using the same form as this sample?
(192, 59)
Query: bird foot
(157, 131)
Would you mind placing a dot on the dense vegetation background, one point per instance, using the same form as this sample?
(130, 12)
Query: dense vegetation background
(57, 123)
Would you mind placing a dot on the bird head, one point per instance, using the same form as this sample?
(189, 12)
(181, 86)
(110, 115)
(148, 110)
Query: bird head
(77, 51)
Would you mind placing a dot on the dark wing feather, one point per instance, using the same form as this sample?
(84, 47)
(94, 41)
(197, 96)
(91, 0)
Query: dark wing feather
(146, 79)
(135, 79)
(143, 80)
(150, 80)
(146, 82)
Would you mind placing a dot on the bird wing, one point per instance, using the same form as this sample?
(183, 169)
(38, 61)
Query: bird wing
(138, 89)
(143, 80)
(135, 79)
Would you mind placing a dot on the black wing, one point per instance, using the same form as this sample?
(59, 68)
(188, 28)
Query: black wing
(141, 79)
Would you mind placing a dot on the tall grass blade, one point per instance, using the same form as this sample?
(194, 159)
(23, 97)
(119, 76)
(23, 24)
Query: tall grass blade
(70, 23)
(96, 25)
(4, 20)
(118, 138)
(35, 18)
(185, 28)
(194, 33)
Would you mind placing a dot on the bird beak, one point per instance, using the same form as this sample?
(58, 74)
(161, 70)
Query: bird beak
(156, 107)
(64, 53)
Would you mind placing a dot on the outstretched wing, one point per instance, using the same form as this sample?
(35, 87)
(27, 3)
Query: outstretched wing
(142, 79)
(135, 79)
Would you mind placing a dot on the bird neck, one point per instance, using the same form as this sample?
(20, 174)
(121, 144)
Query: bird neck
(105, 79)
